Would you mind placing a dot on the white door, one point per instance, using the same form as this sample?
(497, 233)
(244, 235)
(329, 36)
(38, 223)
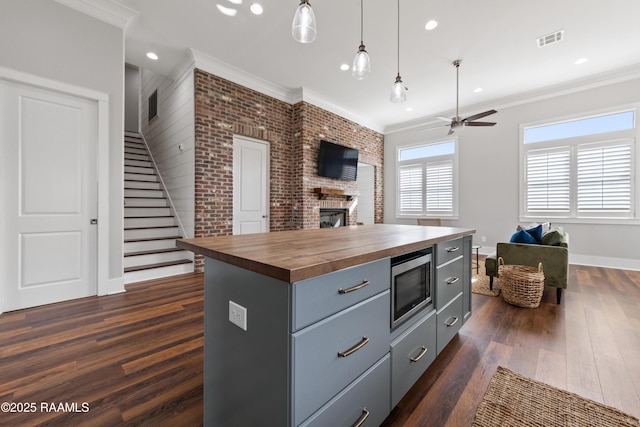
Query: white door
(250, 185)
(48, 166)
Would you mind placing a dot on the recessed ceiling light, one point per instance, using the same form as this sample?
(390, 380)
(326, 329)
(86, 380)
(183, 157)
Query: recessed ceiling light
(409, 109)
(344, 67)
(256, 9)
(581, 61)
(478, 90)
(152, 55)
(226, 10)
(430, 25)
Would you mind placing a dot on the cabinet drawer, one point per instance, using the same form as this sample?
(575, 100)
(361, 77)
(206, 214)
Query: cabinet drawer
(449, 281)
(319, 371)
(320, 297)
(411, 354)
(449, 322)
(367, 396)
(446, 251)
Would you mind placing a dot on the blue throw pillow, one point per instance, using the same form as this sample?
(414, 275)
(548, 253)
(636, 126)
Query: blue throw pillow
(536, 233)
(522, 237)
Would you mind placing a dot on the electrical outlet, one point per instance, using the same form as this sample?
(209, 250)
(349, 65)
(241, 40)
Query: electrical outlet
(238, 315)
(484, 239)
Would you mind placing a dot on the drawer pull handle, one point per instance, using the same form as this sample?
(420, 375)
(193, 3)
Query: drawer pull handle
(363, 418)
(452, 280)
(455, 320)
(420, 356)
(355, 288)
(453, 249)
(355, 348)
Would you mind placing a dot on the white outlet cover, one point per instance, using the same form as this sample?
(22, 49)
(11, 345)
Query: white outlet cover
(238, 315)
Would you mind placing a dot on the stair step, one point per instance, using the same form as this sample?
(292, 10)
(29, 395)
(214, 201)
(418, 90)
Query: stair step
(141, 185)
(155, 257)
(157, 265)
(150, 221)
(150, 239)
(154, 202)
(138, 163)
(140, 170)
(153, 252)
(142, 211)
(136, 145)
(143, 193)
(140, 177)
(135, 151)
(143, 157)
(139, 245)
(158, 272)
(164, 232)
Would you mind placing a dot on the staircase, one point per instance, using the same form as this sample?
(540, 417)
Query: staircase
(150, 229)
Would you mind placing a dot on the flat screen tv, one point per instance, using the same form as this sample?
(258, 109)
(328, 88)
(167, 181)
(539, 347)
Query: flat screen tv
(337, 161)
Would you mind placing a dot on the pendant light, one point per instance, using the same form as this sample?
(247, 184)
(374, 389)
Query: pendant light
(361, 63)
(303, 27)
(398, 90)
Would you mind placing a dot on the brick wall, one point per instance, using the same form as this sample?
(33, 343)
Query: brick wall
(224, 109)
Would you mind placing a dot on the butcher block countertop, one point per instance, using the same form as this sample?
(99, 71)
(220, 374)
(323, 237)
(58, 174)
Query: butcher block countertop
(296, 255)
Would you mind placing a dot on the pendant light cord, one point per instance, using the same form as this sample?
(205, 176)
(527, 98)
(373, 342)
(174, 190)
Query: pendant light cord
(398, 37)
(361, 22)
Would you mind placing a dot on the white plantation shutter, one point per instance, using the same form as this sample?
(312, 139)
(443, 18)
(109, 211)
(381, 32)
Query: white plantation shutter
(411, 189)
(604, 178)
(548, 181)
(439, 194)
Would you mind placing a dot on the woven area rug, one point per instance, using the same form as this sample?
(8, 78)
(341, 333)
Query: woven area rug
(480, 282)
(514, 400)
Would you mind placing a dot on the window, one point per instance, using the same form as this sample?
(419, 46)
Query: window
(427, 179)
(153, 105)
(580, 168)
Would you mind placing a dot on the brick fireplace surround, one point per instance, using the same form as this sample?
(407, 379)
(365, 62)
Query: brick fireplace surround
(224, 109)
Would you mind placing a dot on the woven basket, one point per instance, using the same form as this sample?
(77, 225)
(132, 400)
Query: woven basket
(521, 285)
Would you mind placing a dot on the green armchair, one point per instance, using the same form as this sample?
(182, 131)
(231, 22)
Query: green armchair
(553, 253)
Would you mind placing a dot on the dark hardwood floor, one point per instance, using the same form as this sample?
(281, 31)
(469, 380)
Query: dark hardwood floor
(136, 358)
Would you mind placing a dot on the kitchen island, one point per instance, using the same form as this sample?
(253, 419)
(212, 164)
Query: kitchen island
(298, 325)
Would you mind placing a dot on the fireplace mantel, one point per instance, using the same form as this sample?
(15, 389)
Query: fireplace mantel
(323, 192)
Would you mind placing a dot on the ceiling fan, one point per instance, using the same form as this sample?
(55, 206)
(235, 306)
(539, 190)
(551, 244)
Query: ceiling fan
(457, 121)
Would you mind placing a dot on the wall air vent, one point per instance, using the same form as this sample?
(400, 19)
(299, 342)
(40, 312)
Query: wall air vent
(554, 37)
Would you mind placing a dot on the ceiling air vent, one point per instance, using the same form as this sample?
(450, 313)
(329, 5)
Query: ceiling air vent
(554, 37)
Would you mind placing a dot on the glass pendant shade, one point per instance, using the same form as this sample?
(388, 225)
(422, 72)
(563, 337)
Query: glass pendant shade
(304, 23)
(398, 91)
(361, 64)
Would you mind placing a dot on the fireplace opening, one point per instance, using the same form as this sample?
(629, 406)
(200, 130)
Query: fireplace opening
(333, 218)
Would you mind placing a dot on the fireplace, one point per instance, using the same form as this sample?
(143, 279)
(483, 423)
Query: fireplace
(333, 218)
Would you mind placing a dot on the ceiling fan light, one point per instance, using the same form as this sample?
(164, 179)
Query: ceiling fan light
(303, 27)
(361, 64)
(398, 91)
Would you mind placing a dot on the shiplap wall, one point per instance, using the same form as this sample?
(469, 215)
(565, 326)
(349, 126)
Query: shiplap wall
(171, 138)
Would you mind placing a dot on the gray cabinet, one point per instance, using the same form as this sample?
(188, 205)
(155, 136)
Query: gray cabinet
(411, 354)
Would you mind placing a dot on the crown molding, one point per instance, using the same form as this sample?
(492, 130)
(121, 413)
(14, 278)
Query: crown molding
(229, 72)
(549, 92)
(108, 11)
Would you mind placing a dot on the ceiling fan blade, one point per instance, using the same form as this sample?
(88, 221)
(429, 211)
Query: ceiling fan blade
(479, 124)
(450, 131)
(444, 119)
(479, 115)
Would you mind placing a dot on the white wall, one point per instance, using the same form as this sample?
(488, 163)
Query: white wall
(174, 127)
(366, 199)
(489, 177)
(49, 40)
